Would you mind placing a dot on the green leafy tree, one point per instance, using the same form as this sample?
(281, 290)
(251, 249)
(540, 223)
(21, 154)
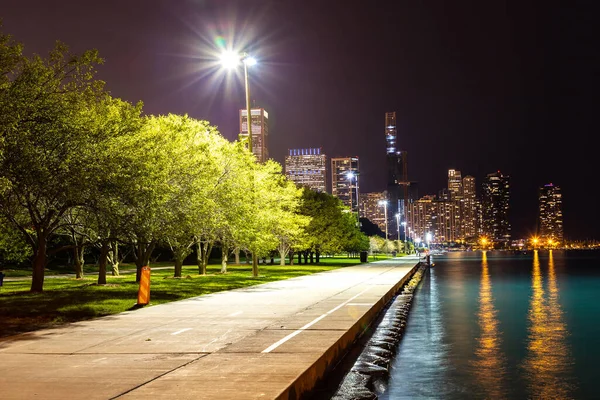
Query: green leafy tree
(53, 130)
(332, 227)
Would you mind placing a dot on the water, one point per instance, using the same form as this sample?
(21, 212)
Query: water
(497, 326)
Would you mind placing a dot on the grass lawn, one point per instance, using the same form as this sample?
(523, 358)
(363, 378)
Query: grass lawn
(69, 299)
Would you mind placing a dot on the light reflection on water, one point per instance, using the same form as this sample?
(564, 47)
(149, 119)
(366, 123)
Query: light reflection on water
(547, 365)
(496, 326)
(489, 361)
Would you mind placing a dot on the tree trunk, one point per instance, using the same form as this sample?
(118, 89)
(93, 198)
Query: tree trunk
(102, 263)
(224, 252)
(143, 251)
(78, 260)
(291, 257)
(305, 257)
(204, 249)
(282, 257)
(114, 258)
(299, 258)
(318, 256)
(247, 258)
(312, 259)
(201, 271)
(178, 266)
(38, 264)
(254, 265)
(236, 253)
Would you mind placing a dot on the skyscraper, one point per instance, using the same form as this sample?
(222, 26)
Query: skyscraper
(550, 217)
(495, 207)
(397, 172)
(369, 203)
(344, 181)
(469, 208)
(455, 185)
(306, 167)
(260, 132)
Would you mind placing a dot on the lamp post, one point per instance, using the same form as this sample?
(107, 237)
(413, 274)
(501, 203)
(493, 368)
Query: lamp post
(230, 60)
(405, 238)
(384, 204)
(352, 175)
(428, 238)
(398, 224)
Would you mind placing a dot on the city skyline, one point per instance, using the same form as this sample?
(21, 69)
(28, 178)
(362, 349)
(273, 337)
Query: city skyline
(472, 91)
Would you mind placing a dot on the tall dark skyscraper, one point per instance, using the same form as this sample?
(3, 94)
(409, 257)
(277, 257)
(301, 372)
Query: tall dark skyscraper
(550, 217)
(495, 206)
(397, 172)
(260, 132)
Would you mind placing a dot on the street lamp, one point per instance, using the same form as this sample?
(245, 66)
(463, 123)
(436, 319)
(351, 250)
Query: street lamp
(230, 60)
(384, 203)
(398, 224)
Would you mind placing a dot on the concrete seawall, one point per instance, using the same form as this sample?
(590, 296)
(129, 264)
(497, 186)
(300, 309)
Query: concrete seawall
(315, 373)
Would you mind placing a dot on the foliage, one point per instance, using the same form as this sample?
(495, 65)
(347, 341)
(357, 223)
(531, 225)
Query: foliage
(13, 248)
(56, 123)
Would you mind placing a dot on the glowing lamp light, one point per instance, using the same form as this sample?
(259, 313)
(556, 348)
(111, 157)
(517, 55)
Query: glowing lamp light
(230, 59)
(350, 175)
(250, 61)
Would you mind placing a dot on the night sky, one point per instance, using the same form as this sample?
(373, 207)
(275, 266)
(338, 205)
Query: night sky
(478, 86)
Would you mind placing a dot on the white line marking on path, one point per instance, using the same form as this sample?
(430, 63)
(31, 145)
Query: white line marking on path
(360, 304)
(311, 323)
(235, 313)
(181, 331)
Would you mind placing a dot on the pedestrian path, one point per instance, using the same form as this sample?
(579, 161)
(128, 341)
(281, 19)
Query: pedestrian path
(268, 341)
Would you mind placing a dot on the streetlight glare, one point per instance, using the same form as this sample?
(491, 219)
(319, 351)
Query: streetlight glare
(230, 59)
(382, 202)
(350, 175)
(250, 61)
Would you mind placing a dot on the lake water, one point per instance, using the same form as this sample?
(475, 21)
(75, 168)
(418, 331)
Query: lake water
(497, 326)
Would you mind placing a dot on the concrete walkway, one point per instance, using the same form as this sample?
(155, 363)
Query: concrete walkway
(268, 341)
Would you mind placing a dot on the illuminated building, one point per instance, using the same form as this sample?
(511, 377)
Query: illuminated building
(421, 216)
(306, 167)
(260, 132)
(469, 206)
(369, 203)
(344, 181)
(550, 217)
(455, 185)
(495, 207)
(397, 172)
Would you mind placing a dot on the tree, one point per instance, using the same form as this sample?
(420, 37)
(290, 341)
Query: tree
(53, 127)
(332, 227)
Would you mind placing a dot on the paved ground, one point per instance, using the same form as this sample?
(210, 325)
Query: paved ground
(268, 341)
